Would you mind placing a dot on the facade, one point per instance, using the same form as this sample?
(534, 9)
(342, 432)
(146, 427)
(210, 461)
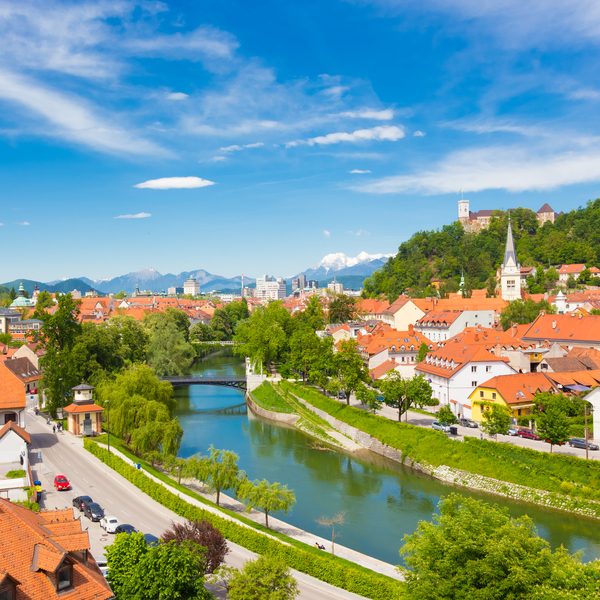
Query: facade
(191, 286)
(476, 221)
(442, 325)
(84, 417)
(18, 377)
(46, 555)
(510, 273)
(567, 271)
(336, 287)
(20, 330)
(175, 290)
(7, 317)
(270, 288)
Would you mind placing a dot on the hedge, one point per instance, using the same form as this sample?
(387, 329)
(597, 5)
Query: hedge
(321, 566)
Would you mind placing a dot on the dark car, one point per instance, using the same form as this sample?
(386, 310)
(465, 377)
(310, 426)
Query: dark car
(151, 540)
(129, 529)
(80, 501)
(93, 511)
(527, 433)
(580, 443)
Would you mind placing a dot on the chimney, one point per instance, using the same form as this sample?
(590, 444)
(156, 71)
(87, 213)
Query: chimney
(580, 315)
(554, 324)
(542, 313)
(411, 329)
(476, 337)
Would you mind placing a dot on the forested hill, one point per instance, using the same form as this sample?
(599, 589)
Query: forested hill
(443, 254)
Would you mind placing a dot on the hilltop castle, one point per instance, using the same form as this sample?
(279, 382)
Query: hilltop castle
(476, 221)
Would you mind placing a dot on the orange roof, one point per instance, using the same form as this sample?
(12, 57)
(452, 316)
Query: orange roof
(83, 408)
(484, 336)
(383, 368)
(12, 426)
(434, 317)
(394, 340)
(12, 388)
(520, 387)
(373, 306)
(30, 552)
(567, 328)
(587, 378)
(571, 269)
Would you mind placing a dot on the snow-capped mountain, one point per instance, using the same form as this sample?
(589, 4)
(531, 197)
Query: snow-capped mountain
(340, 264)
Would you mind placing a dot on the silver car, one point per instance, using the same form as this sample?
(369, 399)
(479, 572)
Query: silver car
(109, 523)
(440, 427)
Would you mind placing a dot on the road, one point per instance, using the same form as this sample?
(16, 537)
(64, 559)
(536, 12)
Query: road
(64, 455)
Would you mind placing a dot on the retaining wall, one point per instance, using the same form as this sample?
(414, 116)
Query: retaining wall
(289, 419)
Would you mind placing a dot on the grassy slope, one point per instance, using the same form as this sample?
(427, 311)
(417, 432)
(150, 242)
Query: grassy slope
(266, 397)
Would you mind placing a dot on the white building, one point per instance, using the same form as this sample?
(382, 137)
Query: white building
(439, 326)
(335, 287)
(510, 273)
(270, 288)
(191, 286)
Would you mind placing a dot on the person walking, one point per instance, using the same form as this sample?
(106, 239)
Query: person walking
(53, 428)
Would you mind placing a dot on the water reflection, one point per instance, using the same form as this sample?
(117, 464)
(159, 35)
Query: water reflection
(383, 500)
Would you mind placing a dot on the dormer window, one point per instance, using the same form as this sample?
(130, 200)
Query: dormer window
(64, 578)
(9, 592)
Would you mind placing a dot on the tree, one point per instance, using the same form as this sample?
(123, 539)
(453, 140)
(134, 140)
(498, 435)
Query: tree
(445, 415)
(203, 534)
(571, 282)
(168, 352)
(552, 423)
(404, 393)
(237, 311)
(368, 397)
(122, 294)
(43, 300)
(332, 522)
(178, 467)
(202, 333)
(305, 351)
(349, 367)
(474, 550)
(133, 337)
(269, 497)
(12, 294)
(169, 571)
(343, 309)
(495, 418)
(523, 311)
(220, 325)
(422, 353)
(267, 578)
(219, 470)
(313, 314)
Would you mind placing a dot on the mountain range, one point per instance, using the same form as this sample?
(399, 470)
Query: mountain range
(339, 264)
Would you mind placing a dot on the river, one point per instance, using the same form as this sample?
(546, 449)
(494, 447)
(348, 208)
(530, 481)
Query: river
(382, 500)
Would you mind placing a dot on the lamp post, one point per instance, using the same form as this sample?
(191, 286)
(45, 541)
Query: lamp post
(61, 399)
(108, 423)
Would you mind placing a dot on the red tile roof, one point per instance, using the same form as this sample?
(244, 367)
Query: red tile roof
(12, 426)
(567, 328)
(520, 387)
(83, 408)
(571, 269)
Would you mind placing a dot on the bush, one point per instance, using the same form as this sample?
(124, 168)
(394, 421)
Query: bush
(333, 571)
(524, 421)
(15, 474)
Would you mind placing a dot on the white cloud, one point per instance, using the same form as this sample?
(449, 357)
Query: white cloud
(236, 148)
(326, 233)
(418, 134)
(1, 224)
(378, 115)
(141, 215)
(177, 96)
(362, 232)
(217, 159)
(23, 223)
(174, 183)
(359, 171)
(508, 168)
(390, 133)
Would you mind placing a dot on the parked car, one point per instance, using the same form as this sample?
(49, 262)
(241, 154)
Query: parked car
(512, 431)
(93, 511)
(129, 529)
(527, 433)
(101, 562)
(109, 523)
(440, 426)
(151, 540)
(580, 443)
(61, 483)
(80, 501)
(468, 423)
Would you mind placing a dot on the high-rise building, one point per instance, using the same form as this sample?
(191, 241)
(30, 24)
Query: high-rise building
(191, 286)
(295, 284)
(312, 283)
(336, 287)
(270, 288)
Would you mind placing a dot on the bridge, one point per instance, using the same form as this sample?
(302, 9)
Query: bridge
(233, 382)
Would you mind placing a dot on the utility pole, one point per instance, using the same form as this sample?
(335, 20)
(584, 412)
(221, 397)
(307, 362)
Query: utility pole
(586, 429)
(108, 423)
(61, 398)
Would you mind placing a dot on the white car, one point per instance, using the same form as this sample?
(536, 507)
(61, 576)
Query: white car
(109, 523)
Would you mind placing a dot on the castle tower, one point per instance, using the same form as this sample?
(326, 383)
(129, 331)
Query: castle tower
(463, 211)
(510, 275)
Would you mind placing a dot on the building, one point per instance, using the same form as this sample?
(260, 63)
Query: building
(335, 287)
(84, 417)
(295, 284)
(18, 377)
(455, 370)
(313, 284)
(546, 213)
(442, 325)
(7, 317)
(20, 301)
(46, 555)
(510, 272)
(191, 286)
(270, 288)
(20, 330)
(175, 290)
(14, 456)
(567, 271)
(570, 331)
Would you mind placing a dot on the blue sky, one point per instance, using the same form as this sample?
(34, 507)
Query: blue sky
(257, 137)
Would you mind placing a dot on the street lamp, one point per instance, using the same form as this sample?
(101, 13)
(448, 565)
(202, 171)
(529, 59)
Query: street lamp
(108, 424)
(61, 399)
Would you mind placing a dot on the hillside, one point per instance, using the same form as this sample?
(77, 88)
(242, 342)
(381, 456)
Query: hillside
(445, 253)
(61, 287)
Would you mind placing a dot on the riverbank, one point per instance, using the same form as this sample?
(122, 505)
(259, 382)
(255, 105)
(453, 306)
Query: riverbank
(428, 451)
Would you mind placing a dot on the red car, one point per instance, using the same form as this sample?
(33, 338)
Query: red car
(61, 483)
(527, 433)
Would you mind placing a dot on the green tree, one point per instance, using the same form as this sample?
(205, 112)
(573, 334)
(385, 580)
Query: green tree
(474, 550)
(571, 282)
(220, 325)
(313, 315)
(168, 352)
(495, 418)
(202, 333)
(422, 353)
(343, 309)
(523, 311)
(269, 497)
(12, 294)
(551, 277)
(445, 415)
(120, 296)
(349, 367)
(133, 337)
(218, 471)
(43, 300)
(552, 422)
(305, 350)
(394, 388)
(368, 397)
(237, 311)
(267, 578)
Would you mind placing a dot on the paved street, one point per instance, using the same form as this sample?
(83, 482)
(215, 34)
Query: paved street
(62, 454)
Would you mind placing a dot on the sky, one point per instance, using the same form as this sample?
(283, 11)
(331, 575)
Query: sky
(257, 137)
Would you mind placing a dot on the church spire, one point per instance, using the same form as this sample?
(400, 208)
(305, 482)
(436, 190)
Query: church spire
(509, 252)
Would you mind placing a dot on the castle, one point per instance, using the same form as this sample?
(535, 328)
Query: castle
(476, 221)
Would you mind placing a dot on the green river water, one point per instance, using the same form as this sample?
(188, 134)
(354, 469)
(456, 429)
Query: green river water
(382, 500)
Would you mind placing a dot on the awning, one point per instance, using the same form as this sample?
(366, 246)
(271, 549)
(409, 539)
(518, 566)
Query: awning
(577, 388)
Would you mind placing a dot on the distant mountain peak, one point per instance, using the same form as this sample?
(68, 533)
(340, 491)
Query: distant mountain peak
(339, 261)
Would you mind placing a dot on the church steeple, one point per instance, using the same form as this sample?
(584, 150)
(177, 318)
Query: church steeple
(510, 275)
(510, 254)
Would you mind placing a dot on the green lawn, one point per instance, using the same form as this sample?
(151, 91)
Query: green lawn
(266, 397)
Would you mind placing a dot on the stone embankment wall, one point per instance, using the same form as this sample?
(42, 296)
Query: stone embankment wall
(270, 414)
(582, 506)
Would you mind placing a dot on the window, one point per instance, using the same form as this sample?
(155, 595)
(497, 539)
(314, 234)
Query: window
(510, 284)
(8, 593)
(87, 415)
(493, 395)
(488, 369)
(473, 369)
(10, 417)
(481, 394)
(64, 577)
(474, 383)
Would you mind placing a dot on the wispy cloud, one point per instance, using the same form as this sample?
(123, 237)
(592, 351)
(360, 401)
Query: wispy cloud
(237, 148)
(174, 183)
(378, 115)
(418, 134)
(359, 171)
(514, 169)
(217, 159)
(390, 133)
(326, 233)
(362, 232)
(141, 215)
(177, 96)
(23, 223)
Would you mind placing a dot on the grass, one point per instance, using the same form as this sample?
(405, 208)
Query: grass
(15, 474)
(266, 397)
(126, 450)
(514, 464)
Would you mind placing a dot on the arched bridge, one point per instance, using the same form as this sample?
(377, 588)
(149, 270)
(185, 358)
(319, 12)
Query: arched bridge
(235, 382)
